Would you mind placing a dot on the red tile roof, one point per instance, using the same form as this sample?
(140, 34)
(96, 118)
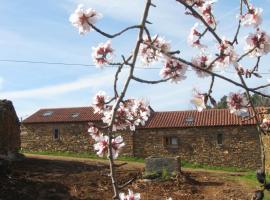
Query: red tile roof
(85, 114)
(193, 118)
(173, 119)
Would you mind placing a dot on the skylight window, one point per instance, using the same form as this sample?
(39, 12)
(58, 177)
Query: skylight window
(47, 113)
(74, 115)
(189, 119)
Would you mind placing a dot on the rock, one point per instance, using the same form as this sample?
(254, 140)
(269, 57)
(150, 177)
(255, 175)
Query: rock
(159, 164)
(9, 131)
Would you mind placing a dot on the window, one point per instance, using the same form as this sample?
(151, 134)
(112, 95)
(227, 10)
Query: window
(56, 134)
(189, 119)
(171, 141)
(47, 113)
(74, 115)
(220, 139)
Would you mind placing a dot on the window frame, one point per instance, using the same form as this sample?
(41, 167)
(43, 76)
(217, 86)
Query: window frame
(168, 140)
(56, 131)
(220, 139)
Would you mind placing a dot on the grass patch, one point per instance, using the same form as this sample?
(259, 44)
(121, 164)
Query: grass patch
(209, 167)
(82, 155)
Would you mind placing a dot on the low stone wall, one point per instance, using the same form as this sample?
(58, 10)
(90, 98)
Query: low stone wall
(158, 164)
(240, 146)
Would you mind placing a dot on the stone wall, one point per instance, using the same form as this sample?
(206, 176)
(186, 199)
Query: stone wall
(240, 146)
(73, 137)
(9, 129)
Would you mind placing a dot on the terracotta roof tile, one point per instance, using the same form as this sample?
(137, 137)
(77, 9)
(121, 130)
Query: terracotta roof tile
(173, 119)
(85, 114)
(211, 117)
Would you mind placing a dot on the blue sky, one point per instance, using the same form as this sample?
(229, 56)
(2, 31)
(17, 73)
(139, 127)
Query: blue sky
(40, 31)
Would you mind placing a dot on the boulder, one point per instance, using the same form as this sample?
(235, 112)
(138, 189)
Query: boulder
(159, 164)
(9, 132)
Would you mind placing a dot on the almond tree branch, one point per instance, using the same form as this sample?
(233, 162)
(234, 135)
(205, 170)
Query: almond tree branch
(116, 34)
(195, 13)
(150, 82)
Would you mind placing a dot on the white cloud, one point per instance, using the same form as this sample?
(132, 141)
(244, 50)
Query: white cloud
(93, 82)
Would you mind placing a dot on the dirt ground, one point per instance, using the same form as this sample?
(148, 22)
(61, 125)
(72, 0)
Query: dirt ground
(41, 177)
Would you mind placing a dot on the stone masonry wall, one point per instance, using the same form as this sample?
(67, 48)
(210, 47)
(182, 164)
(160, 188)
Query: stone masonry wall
(73, 137)
(240, 146)
(9, 129)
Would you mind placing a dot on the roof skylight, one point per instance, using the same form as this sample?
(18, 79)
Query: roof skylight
(47, 113)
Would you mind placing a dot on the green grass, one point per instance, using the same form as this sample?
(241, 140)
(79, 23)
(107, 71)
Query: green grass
(82, 155)
(209, 167)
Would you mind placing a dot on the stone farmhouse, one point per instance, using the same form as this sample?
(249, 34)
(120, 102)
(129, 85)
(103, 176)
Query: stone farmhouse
(213, 136)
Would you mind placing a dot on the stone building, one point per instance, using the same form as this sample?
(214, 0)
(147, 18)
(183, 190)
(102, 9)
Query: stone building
(213, 136)
(9, 131)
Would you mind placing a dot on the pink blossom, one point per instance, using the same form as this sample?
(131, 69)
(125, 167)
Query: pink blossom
(201, 61)
(102, 54)
(174, 69)
(265, 124)
(130, 113)
(102, 146)
(150, 54)
(206, 12)
(228, 55)
(198, 100)
(252, 18)
(194, 37)
(237, 104)
(83, 19)
(259, 42)
(197, 3)
(130, 196)
(94, 132)
(99, 102)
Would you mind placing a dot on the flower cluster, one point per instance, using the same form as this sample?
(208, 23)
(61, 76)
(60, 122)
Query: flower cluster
(102, 54)
(258, 43)
(102, 146)
(99, 102)
(206, 11)
(194, 37)
(151, 50)
(131, 113)
(84, 18)
(94, 132)
(202, 61)
(252, 18)
(198, 100)
(237, 104)
(130, 196)
(227, 55)
(265, 124)
(174, 69)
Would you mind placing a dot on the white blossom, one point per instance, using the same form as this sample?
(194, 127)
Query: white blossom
(202, 61)
(252, 18)
(227, 56)
(102, 146)
(238, 104)
(149, 54)
(130, 196)
(99, 102)
(173, 69)
(84, 18)
(102, 54)
(258, 43)
(194, 37)
(198, 100)
(95, 133)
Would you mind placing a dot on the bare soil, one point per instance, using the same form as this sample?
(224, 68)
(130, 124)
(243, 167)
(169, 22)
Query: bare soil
(58, 178)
